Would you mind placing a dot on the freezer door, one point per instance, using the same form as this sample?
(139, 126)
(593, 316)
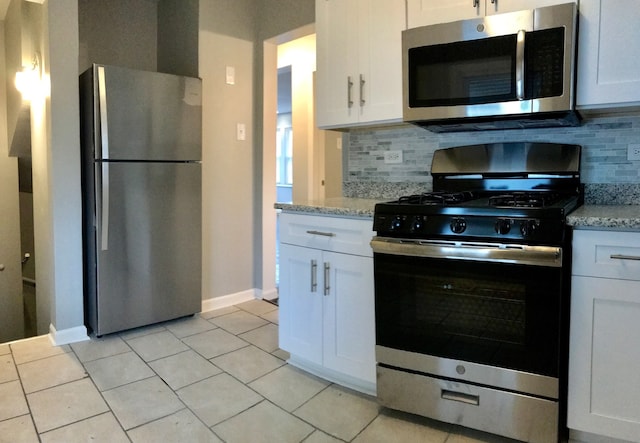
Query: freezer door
(148, 244)
(144, 115)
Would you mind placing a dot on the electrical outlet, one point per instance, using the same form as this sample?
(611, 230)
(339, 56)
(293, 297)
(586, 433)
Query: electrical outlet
(633, 151)
(393, 156)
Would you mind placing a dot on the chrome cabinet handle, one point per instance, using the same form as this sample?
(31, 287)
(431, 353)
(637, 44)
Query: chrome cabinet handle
(327, 274)
(493, 2)
(624, 257)
(476, 3)
(349, 88)
(324, 234)
(314, 275)
(362, 82)
(520, 65)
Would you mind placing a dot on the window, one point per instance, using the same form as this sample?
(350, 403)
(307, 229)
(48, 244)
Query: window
(284, 155)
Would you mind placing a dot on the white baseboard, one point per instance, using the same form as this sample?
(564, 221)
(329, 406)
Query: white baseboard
(268, 294)
(211, 304)
(66, 336)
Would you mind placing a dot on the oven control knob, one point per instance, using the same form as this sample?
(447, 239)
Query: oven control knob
(503, 226)
(396, 223)
(418, 224)
(458, 225)
(528, 227)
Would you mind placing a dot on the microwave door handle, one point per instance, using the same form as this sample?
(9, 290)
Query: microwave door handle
(520, 64)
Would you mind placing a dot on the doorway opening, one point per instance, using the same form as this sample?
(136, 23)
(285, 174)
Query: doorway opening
(284, 138)
(316, 155)
(27, 246)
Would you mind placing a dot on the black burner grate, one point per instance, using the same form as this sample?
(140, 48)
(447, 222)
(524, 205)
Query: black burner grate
(437, 198)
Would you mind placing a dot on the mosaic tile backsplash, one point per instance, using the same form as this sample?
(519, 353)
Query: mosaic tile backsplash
(604, 142)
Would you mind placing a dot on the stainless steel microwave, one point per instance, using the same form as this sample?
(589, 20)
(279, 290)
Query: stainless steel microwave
(502, 71)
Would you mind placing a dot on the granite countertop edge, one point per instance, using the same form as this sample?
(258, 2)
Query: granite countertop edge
(619, 217)
(338, 206)
(588, 216)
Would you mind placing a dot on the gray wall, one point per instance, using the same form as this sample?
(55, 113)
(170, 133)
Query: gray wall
(118, 32)
(178, 37)
(280, 16)
(227, 38)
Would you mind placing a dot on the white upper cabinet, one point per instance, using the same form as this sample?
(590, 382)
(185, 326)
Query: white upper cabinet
(359, 63)
(609, 54)
(429, 12)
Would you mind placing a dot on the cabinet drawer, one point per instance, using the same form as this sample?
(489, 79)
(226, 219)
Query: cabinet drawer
(606, 254)
(346, 235)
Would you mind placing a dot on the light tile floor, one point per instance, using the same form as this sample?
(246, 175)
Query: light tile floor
(214, 377)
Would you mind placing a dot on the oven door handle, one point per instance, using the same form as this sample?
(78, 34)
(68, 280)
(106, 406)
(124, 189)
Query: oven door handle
(549, 256)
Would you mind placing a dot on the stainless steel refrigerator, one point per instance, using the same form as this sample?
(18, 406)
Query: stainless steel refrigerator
(141, 170)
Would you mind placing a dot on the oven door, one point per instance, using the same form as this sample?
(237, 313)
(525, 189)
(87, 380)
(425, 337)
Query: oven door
(460, 310)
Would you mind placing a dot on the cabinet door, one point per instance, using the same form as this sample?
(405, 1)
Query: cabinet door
(300, 303)
(379, 81)
(604, 381)
(429, 12)
(359, 64)
(608, 54)
(336, 63)
(349, 323)
(501, 6)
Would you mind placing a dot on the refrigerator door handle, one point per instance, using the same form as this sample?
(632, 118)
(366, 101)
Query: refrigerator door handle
(104, 208)
(104, 126)
(104, 144)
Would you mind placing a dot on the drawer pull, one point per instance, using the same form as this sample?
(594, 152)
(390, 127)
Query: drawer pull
(624, 257)
(325, 234)
(461, 397)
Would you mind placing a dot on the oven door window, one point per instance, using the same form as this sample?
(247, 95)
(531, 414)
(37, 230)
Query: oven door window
(463, 73)
(496, 314)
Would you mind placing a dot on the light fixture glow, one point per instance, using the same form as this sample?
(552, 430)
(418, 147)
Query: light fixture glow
(28, 80)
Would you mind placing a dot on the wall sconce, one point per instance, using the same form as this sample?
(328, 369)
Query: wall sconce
(28, 80)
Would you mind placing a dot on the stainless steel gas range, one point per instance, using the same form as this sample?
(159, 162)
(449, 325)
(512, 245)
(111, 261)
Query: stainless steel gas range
(472, 290)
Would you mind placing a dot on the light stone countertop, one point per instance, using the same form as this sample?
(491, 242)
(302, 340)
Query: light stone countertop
(338, 206)
(619, 217)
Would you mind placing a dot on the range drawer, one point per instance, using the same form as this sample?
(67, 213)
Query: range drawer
(607, 254)
(336, 234)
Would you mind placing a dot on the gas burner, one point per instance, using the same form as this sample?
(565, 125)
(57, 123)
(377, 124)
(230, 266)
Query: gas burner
(437, 198)
(524, 199)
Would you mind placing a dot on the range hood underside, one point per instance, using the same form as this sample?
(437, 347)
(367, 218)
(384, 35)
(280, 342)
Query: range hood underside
(538, 120)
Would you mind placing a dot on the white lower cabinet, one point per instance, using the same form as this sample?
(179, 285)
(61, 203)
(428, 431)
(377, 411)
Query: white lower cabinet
(326, 298)
(604, 359)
